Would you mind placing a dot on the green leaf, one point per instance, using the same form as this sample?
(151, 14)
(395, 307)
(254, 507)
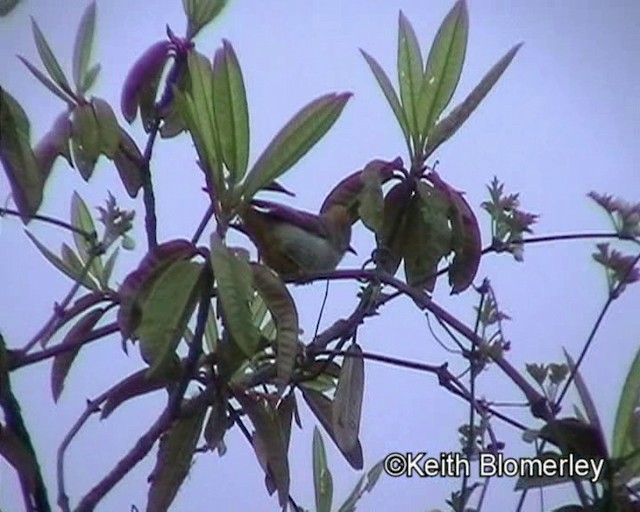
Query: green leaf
(177, 447)
(268, 441)
(322, 479)
(444, 67)
(165, 313)
(129, 162)
(83, 45)
(44, 80)
(389, 93)
(197, 110)
(583, 392)
(396, 213)
(108, 127)
(200, 13)
(347, 403)
(63, 361)
(371, 200)
(322, 408)
(233, 279)
(372, 476)
(447, 126)
(85, 142)
(90, 78)
(285, 316)
(622, 444)
(231, 111)
(409, 73)
(81, 219)
(49, 59)
(63, 267)
(108, 267)
(18, 159)
(293, 141)
(211, 331)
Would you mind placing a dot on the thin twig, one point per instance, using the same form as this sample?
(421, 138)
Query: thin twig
(51, 220)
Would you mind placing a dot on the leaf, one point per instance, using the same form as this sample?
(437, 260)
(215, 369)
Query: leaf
(372, 476)
(287, 409)
(82, 46)
(108, 267)
(49, 59)
(141, 85)
(53, 144)
(322, 408)
(166, 311)
(63, 267)
(197, 109)
(371, 208)
(177, 447)
(108, 128)
(63, 361)
(573, 436)
(444, 66)
(446, 127)
(90, 78)
(135, 385)
(538, 482)
(81, 219)
(129, 162)
(629, 401)
(270, 440)
(322, 479)
(391, 239)
(583, 392)
(138, 283)
(16, 453)
(409, 72)
(85, 141)
(46, 81)
(211, 331)
(293, 141)
(231, 111)
(200, 13)
(347, 403)
(217, 423)
(233, 279)
(283, 311)
(18, 159)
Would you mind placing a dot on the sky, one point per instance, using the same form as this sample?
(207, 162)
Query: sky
(562, 121)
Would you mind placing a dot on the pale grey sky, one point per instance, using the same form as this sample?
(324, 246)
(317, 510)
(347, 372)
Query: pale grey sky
(562, 121)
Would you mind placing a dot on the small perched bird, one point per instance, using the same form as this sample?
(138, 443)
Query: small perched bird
(296, 243)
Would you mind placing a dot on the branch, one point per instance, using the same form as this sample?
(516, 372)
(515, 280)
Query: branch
(51, 220)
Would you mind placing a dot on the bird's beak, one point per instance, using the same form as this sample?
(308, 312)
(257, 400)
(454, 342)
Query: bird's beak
(352, 250)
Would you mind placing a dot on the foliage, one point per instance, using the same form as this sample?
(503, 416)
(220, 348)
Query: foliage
(236, 319)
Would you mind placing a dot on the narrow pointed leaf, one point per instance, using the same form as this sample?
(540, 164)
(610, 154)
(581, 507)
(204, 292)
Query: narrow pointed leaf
(628, 403)
(347, 403)
(372, 477)
(583, 392)
(83, 45)
(233, 279)
(283, 311)
(391, 240)
(6, 6)
(371, 207)
(108, 128)
(90, 78)
(444, 66)
(447, 126)
(63, 361)
(409, 72)
(63, 267)
(200, 13)
(81, 219)
(49, 60)
(231, 111)
(18, 159)
(175, 454)
(166, 312)
(53, 144)
(108, 267)
(129, 162)
(287, 410)
(389, 93)
(135, 385)
(291, 143)
(322, 408)
(85, 139)
(45, 80)
(271, 439)
(322, 479)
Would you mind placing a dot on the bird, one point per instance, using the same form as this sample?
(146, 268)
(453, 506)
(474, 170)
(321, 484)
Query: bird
(295, 243)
